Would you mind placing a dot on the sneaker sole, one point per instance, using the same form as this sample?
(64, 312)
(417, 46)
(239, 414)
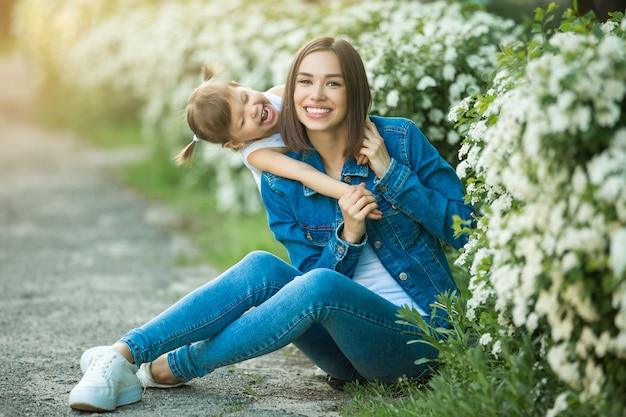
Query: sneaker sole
(85, 401)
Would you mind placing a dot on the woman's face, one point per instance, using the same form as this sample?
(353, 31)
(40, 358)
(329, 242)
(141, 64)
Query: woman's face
(320, 95)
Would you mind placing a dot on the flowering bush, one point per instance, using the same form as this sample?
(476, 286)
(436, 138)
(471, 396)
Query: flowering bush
(544, 156)
(421, 58)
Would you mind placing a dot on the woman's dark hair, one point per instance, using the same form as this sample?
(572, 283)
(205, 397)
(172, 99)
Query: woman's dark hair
(358, 96)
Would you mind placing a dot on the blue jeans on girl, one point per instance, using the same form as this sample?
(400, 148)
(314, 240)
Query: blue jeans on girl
(347, 330)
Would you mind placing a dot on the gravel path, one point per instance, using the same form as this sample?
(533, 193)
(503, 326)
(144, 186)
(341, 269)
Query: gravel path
(83, 259)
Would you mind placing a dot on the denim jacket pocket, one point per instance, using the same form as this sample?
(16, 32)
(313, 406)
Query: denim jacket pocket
(318, 235)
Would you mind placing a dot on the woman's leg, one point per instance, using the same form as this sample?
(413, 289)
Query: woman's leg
(367, 341)
(206, 311)
(317, 344)
(110, 380)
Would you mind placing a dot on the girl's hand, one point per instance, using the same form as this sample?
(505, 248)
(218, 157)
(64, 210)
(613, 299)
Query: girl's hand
(374, 152)
(356, 205)
(375, 215)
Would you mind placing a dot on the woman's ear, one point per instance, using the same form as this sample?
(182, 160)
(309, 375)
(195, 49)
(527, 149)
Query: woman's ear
(231, 144)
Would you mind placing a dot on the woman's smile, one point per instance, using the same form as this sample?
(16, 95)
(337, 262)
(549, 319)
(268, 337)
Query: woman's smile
(317, 111)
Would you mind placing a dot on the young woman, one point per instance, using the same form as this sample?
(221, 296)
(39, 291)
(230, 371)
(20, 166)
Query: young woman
(350, 274)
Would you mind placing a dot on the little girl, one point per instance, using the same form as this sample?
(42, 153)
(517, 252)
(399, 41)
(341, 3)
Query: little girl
(243, 119)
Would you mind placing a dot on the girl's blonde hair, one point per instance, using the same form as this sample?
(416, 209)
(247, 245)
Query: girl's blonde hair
(208, 113)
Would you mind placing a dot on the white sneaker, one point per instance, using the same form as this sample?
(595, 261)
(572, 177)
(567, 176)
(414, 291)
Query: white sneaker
(144, 373)
(147, 381)
(109, 382)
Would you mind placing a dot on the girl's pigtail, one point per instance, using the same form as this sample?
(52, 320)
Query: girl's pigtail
(186, 155)
(207, 112)
(209, 71)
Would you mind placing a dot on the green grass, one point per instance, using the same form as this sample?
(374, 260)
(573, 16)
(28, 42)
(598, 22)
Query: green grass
(401, 398)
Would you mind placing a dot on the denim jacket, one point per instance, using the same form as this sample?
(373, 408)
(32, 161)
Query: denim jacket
(418, 195)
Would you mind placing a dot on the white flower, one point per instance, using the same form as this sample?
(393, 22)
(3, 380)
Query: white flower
(450, 55)
(560, 404)
(613, 89)
(392, 98)
(617, 259)
(574, 296)
(449, 71)
(602, 344)
(496, 349)
(607, 113)
(425, 83)
(532, 322)
(566, 369)
(435, 115)
(567, 41)
(594, 378)
(612, 47)
(452, 137)
(608, 27)
(569, 261)
(485, 339)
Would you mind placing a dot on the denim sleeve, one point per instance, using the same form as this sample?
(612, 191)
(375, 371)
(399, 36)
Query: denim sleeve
(421, 184)
(304, 254)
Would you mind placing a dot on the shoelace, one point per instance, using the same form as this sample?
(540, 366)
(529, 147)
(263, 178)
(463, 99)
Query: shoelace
(99, 365)
(145, 376)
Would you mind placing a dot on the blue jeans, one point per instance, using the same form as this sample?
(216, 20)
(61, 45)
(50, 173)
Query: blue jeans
(344, 328)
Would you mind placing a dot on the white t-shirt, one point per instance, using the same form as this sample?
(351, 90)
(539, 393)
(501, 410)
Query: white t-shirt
(371, 274)
(274, 141)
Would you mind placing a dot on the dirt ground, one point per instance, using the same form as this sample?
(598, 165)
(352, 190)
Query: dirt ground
(83, 259)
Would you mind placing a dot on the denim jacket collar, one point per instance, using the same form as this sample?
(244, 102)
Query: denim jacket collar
(350, 169)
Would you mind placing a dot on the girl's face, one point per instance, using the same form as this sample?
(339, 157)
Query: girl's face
(320, 95)
(252, 116)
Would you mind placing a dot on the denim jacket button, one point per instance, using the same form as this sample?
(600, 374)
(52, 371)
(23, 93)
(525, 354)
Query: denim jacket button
(403, 276)
(378, 244)
(347, 179)
(309, 237)
(341, 250)
(384, 188)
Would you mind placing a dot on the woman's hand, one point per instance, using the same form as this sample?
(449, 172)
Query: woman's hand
(357, 204)
(374, 152)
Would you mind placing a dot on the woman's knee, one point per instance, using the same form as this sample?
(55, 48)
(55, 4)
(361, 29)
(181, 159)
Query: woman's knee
(323, 283)
(260, 266)
(259, 258)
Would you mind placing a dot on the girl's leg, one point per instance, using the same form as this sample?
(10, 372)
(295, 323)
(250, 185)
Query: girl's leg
(366, 340)
(206, 311)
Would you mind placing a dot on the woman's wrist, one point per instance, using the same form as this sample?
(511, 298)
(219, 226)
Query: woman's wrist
(351, 238)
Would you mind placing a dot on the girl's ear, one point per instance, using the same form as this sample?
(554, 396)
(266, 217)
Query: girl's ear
(231, 144)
